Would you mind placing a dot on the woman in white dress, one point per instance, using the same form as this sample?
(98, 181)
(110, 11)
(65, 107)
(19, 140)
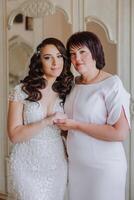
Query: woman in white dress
(98, 122)
(38, 167)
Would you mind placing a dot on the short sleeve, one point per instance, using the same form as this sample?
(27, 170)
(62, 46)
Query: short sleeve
(17, 94)
(116, 99)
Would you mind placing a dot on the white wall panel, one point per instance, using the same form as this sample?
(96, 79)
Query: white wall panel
(3, 93)
(105, 11)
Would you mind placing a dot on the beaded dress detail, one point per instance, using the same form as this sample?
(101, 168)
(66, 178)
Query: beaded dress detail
(37, 167)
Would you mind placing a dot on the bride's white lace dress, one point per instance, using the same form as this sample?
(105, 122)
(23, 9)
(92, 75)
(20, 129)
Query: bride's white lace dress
(38, 167)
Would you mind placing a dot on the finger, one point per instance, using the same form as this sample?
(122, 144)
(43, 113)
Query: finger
(56, 121)
(59, 121)
(62, 121)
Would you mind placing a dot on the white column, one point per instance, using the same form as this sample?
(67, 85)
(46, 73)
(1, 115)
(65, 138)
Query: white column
(38, 34)
(124, 67)
(132, 100)
(81, 15)
(75, 15)
(3, 94)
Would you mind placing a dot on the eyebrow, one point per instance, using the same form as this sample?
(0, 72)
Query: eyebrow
(47, 54)
(77, 49)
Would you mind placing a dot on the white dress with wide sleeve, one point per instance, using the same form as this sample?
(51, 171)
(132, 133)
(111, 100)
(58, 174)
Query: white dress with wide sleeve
(38, 167)
(97, 168)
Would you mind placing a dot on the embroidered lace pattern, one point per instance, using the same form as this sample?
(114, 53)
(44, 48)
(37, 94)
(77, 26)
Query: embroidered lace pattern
(37, 167)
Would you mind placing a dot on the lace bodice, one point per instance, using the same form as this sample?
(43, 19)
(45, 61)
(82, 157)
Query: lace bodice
(33, 112)
(38, 167)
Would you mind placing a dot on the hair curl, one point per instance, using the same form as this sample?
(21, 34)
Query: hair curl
(92, 42)
(35, 81)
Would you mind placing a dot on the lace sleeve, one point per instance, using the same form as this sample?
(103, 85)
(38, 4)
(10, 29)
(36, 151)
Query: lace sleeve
(17, 94)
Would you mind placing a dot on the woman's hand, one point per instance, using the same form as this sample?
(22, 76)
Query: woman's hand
(66, 124)
(51, 119)
(18, 132)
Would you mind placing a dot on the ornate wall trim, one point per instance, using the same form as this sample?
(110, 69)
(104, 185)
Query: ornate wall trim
(12, 16)
(3, 94)
(67, 17)
(132, 107)
(16, 44)
(36, 9)
(32, 8)
(107, 30)
(81, 6)
(18, 40)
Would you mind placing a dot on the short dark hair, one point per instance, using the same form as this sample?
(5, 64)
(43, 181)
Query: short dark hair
(92, 42)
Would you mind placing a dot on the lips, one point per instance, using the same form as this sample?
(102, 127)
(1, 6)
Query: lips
(56, 68)
(79, 64)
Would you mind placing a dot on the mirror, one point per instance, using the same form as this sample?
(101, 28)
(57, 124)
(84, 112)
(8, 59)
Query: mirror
(27, 29)
(28, 25)
(19, 54)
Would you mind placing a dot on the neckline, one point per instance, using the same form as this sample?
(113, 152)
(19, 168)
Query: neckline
(99, 82)
(90, 81)
(44, 108)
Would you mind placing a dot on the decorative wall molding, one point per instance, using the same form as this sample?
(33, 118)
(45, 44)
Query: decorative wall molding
(3, 94)
(32, 8)
(132, 107)
(81, 14)
(107, 30)
(18, 40)
(132, 93)
(67, 17)
(75, 15)
(18, 44)
(36, 9)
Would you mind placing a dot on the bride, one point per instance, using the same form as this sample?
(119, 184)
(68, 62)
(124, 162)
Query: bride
(38, 167)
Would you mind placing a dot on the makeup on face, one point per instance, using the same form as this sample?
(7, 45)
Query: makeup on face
(52, 60)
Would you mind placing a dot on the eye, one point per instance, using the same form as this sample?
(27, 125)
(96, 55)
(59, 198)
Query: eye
(72, 55)
(82, 51)
(60, 56)
(47, 57)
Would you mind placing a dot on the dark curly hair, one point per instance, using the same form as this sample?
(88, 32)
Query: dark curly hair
(35, 81)
(92, 42)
